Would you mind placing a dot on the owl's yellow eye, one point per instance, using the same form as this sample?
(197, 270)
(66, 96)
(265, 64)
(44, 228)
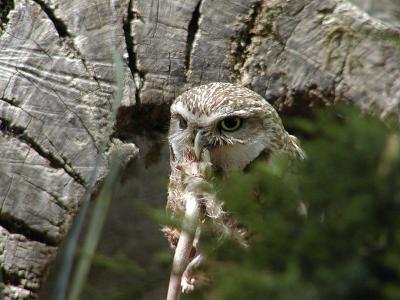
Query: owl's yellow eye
(231, 124)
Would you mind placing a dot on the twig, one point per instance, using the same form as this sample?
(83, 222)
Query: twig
(184, 246)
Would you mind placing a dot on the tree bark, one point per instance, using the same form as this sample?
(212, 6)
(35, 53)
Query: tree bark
(57, 85)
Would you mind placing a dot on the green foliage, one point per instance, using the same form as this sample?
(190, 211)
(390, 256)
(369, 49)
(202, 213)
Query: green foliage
(119, 264)
(346, 245)
(323, 228)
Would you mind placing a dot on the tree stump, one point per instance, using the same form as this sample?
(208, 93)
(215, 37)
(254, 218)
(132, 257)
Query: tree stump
(57, 86)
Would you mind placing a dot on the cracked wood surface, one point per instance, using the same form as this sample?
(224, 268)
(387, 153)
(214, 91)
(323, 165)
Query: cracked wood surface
(57, 84)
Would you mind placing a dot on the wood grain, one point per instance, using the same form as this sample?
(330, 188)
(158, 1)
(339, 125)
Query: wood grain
(57, 85)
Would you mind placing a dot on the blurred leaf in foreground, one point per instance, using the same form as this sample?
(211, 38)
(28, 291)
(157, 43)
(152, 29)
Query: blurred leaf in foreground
(347, 246)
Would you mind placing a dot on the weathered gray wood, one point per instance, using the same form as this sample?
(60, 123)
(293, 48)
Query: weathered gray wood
(57, 84)
(16, 252)
(53, 117)
(386, 10)
(323, 51)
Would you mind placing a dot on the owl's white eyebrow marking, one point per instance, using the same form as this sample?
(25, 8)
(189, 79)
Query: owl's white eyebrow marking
(183, 111)
(199, 119)
(205, 120)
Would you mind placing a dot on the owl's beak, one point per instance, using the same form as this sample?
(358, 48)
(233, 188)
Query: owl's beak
(199, 142)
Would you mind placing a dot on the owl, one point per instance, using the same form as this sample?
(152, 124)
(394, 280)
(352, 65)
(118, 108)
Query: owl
(228, 127)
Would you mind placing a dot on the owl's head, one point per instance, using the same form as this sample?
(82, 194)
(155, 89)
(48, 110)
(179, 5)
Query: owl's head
(234, 123)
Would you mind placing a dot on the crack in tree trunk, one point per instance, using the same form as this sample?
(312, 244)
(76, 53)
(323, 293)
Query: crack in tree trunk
(5, 7)
(66, 37)
(137, 75)
(243, 42)
(59, 25)
(13, 225)
(19, 133)
(192, 30)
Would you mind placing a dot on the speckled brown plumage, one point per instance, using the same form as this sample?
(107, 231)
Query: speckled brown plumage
(204, 107)
(196, 123)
